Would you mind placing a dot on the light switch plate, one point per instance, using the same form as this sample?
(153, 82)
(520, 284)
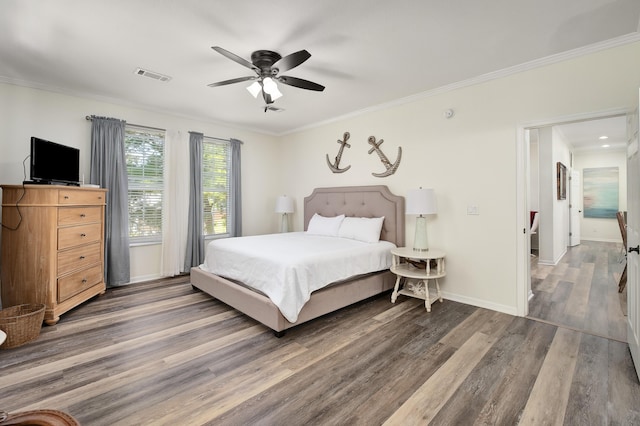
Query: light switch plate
(473, 210)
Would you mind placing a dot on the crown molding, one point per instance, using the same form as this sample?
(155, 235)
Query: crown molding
(526, 66)
(552, 59)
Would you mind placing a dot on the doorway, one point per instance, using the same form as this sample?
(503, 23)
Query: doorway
(573, 284)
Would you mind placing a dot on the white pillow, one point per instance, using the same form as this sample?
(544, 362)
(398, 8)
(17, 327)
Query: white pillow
(365, 229)
(321, 225)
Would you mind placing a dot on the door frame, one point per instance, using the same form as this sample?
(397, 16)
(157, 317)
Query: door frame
(523, 243)
(573, 207)
(633, 169)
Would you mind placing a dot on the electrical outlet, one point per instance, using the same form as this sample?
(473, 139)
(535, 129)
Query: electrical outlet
(472, 209)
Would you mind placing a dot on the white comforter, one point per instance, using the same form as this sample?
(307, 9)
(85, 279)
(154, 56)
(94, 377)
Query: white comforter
(288, 267)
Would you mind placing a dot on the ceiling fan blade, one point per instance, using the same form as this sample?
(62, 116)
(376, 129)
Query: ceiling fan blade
(236, 58)
(233, 80)
(292, 60)
(298, 82)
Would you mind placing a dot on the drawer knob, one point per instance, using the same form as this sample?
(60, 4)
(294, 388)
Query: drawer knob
(83, 235)
(66, 197)
(83, 215)
(81, 257)
(84, 280)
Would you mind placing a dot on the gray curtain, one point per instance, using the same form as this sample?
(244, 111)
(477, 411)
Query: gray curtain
(194, 255)
(236, 189)
(109, 170)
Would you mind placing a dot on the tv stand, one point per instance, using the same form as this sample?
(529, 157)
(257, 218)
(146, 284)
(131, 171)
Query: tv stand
(55, 254)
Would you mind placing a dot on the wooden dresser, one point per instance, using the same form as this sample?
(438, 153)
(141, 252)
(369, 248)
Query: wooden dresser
(56, 254)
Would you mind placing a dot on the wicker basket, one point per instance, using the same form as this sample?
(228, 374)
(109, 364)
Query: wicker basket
(21, 323)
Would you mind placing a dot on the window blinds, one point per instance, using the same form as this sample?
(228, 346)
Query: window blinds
(216, 164)
(144, 152)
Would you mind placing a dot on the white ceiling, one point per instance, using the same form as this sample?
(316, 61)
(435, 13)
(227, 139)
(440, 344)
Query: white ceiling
(585, 135)
(366, 52)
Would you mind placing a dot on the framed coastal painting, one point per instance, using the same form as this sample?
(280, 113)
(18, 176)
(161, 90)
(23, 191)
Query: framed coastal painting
(600, 191)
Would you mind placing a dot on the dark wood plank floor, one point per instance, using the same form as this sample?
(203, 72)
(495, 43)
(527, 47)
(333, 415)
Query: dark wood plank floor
(581, 291)
(161, 353)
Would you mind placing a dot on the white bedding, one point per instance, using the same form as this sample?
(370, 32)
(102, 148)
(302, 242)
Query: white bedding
(288, 267)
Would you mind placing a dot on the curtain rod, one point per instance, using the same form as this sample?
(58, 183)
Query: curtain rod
(90, 117)
(219, 139)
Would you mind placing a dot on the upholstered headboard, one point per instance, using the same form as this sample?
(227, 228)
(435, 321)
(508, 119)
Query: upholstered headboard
(360, 201)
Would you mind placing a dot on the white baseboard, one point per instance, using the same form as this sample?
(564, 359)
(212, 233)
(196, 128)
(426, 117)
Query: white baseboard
(602, 240)
(552, 262)
(511, 310)
(142, 278)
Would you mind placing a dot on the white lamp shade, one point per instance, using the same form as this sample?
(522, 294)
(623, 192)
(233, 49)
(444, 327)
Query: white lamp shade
(421, 201)
(271, 88)
(255, 89)
(284, 204)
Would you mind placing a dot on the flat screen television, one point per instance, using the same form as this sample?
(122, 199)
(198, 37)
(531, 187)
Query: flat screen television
(53, 163)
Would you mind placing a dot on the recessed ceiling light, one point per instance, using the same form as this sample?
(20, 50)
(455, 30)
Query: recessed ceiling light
(606, 146)
(603, 137)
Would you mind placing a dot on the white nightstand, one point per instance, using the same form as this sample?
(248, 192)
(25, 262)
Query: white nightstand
(416, 279)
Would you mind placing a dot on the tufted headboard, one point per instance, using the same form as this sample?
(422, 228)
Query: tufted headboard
(360, 201)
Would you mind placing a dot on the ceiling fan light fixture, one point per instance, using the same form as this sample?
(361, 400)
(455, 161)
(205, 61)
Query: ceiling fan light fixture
(271, 88)
(255, 89)
(267, 64)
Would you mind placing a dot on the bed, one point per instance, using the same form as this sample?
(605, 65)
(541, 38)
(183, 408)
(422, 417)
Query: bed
(352, 201)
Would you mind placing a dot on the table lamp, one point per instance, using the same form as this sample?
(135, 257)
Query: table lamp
(421, 202)
(284, 205)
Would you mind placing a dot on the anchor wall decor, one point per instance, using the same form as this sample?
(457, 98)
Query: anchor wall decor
(391, 167)
(335, 167)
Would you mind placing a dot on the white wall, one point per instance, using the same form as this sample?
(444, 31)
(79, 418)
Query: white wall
(468, 159)
(534, 182)
(547, 196)
(553, 228)
(596, 229)
(534, 171)
(26, 112)
(561, 154)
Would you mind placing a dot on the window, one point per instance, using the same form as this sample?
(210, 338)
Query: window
(216, 167)
(144, 152)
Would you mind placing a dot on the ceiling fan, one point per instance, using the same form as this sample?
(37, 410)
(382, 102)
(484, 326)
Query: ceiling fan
(267, 65)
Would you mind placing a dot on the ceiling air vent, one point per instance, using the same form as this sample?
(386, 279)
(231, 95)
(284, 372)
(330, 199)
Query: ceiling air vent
(151, 74)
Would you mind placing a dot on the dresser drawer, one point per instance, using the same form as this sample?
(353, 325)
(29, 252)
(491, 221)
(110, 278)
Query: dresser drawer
(79, 258)
(79, 215)
(76, 282)
(77, 235)
(82, 197)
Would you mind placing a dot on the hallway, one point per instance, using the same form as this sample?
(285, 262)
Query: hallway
(581, 291)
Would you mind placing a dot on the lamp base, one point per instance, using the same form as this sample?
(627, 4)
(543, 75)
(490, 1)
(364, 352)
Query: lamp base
(420, 242)
(284, 226)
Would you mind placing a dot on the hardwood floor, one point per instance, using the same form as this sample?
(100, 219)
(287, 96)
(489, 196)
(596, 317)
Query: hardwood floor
(162, 353)
(581, 291)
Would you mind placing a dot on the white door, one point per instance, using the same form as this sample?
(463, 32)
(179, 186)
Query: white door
(633, 238)
(574, 209)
